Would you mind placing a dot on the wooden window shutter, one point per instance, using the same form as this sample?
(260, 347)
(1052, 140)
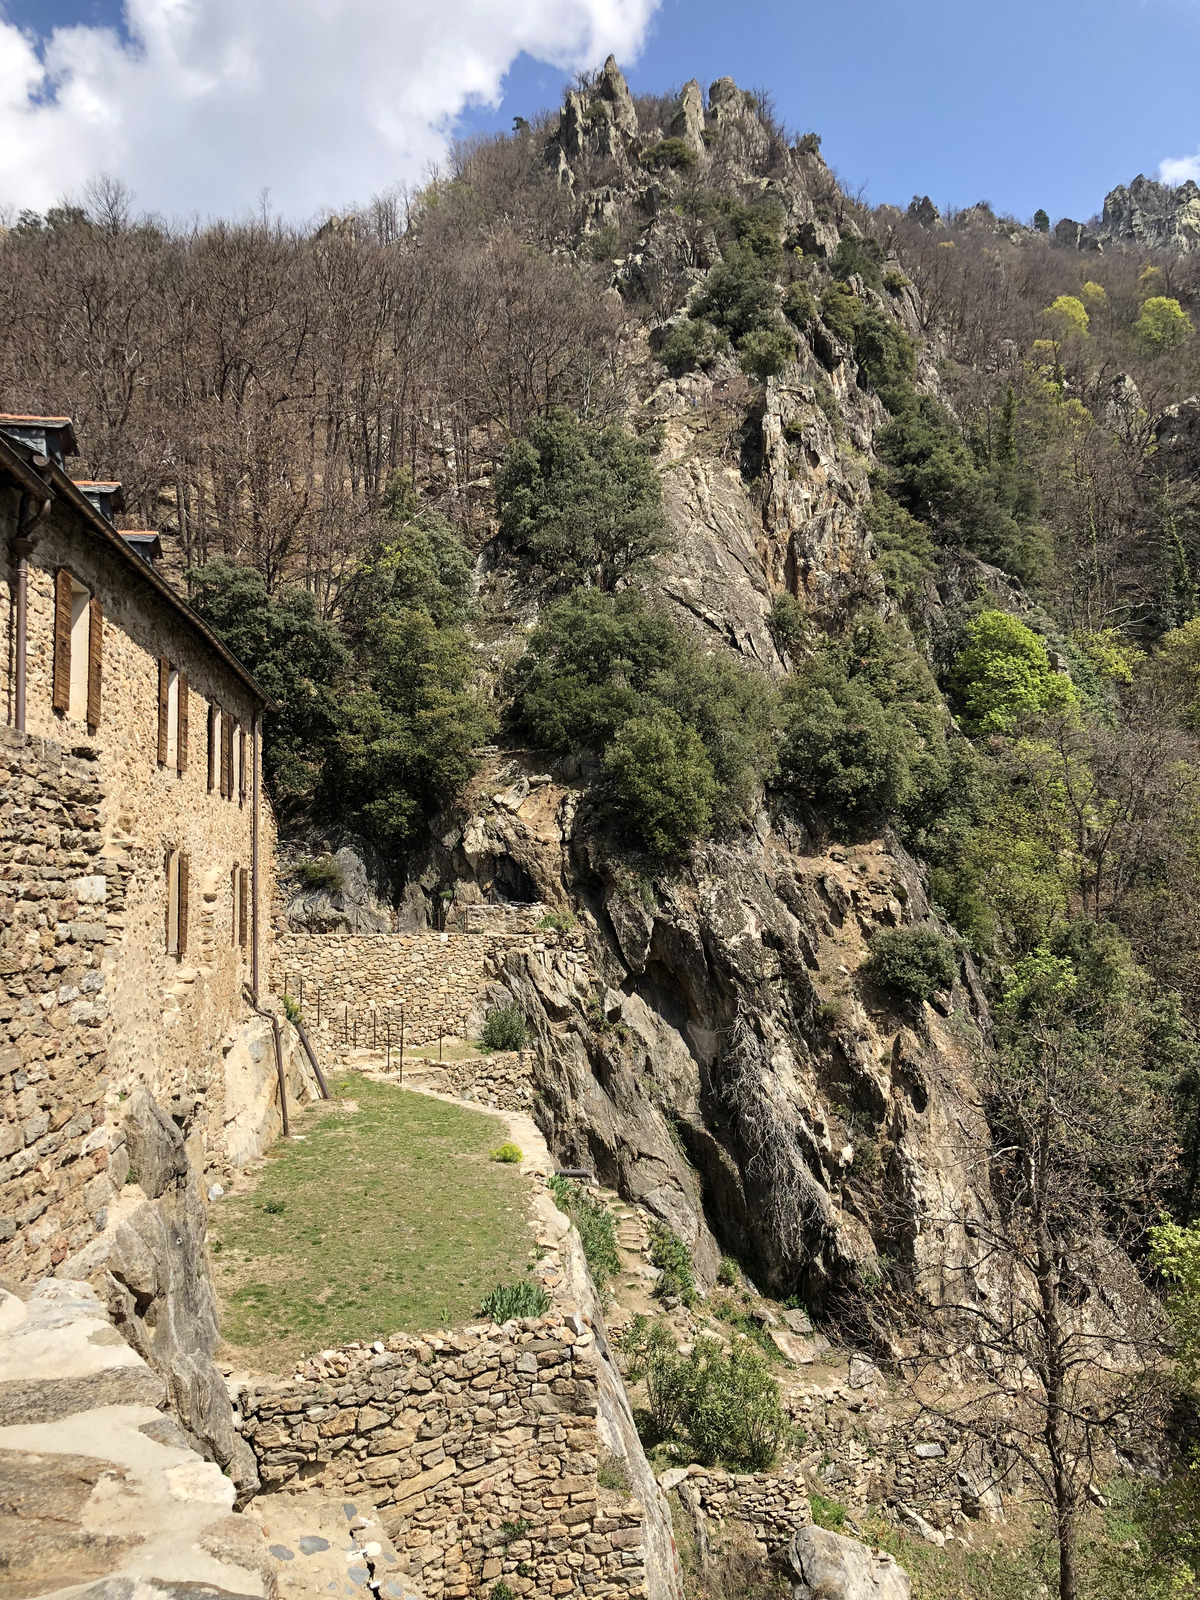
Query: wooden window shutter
(233, 903)
(212, 745)
(183, 904)
(241, 766)
(226, 755)
(168, 863)
(243, 905)
(62, 641)
(181, 738)
(164, 690)
(95, 660)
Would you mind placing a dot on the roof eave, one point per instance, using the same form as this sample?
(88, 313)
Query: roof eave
(54, 484)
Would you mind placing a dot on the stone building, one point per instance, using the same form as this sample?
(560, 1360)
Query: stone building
(135, 846)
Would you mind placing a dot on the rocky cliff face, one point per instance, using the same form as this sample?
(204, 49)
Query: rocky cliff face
(720, 1055)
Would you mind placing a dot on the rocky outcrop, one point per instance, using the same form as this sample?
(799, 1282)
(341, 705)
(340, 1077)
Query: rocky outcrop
(1152, 215)
(150, 1266)
(826, 1566)
(357, 895)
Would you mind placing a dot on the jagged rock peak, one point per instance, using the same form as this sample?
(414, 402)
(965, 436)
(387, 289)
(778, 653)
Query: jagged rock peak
(597, 121)
(687, 123)
(1153, 214)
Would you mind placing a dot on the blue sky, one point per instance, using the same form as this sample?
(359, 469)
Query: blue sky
(1025, 104)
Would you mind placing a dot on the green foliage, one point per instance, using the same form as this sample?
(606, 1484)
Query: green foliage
(509, 1153)
(582, 500)
(1175, 1251)
(936, 477)
(690, 344)
(297, 657)
(766, 352)
(1162, 323)
(799, 307)
(320, 873)
(675, 153)
(725, 1404)
(830, 1514)
(612, 1473)
(661, 782)
(1005, 678)
(377, 721)
(674, 1261)
(729, 1273)
(864, 737)
(789, 621)
(505, 1029)
(510, 1300)
(597, 1228)
(410, 727)
(503, 1591)
(885, 354)
(1067, 315)
(913, 962)
(858, 257)
(738, 296)
(895, 282)
(291, 1009)
(557, 922)
(683, 737)
(1041, 221)
(904, 546)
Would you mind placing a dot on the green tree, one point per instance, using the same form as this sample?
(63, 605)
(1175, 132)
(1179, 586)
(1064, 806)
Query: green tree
(661, 782)
(1162, 323)
(597, 664)
(409, 728)
(1041, 221)
(1067, 315)
(1005, 678)
(738, 296)
(297, 657)
(581, 499)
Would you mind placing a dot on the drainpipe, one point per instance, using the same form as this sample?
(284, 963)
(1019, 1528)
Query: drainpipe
(255, 762)
(27, 519)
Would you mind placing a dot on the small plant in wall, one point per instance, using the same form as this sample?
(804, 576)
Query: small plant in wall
(507, 1152)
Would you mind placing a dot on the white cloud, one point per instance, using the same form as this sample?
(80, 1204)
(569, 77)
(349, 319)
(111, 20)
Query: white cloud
(1179, 169)
(319, 101)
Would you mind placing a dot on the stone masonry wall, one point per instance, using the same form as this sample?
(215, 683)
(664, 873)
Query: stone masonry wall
(479, 1447)
(59, 1166)
(441, 979)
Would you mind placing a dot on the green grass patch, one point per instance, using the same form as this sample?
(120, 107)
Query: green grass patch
(388, 1219)
(597, 1228)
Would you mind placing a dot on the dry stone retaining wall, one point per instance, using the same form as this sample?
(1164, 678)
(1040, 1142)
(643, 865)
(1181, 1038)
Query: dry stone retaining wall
(441, 979)
(479, 1447)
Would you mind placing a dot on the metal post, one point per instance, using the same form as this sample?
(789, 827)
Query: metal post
(439, 1041)
(388, 1025)
(373, 1042)
(256, 759)
(356, 1030)
(285, 984)
(318, 1008)
(302, 991)
(401, 1044)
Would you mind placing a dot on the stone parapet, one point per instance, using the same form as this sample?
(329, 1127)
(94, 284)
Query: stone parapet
(480, 1448)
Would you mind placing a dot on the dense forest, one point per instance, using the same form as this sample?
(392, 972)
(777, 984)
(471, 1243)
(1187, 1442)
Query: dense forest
(406, 463)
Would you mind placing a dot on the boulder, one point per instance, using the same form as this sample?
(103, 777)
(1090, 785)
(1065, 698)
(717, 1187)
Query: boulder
(827, 1566)
(156, 1147)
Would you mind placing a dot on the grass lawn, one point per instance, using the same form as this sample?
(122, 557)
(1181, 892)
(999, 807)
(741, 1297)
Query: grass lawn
(383, 1220)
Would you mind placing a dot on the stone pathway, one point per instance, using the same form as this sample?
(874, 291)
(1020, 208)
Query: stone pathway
(100, 1491)
(328, 1547)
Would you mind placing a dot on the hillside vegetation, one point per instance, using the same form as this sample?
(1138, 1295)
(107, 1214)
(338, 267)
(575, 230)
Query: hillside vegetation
(413, 464)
